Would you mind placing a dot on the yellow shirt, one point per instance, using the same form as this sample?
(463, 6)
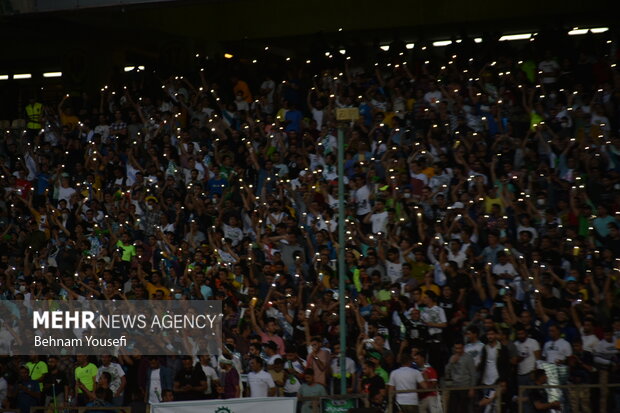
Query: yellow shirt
(433, 287)
(489, 202)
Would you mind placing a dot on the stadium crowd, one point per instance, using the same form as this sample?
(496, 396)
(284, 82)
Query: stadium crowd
(482, 231)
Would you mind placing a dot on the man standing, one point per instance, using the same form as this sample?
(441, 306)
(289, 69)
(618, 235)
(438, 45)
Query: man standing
(318, 361)
(580, 369)
(86, 374)
(538, 397)
(28, 392)
(406, 378)
(474, 346)
(460, 372)
(158, 379)
(556, 350)
(429, 401)
(34, 111)
(310, 389)
(260, 382)
(231, 379)
(212, 379)
(372, 384)
(55, 385)
(118, 382)
(495, 360)
(528, 351)
(189, 383)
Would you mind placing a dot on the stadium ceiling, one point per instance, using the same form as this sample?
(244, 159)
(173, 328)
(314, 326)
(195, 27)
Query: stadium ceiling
(124, 33)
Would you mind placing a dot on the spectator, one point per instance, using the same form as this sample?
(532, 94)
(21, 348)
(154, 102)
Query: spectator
(85, 378)
(118, 380)
(231, 379)
(189, 383)
(461, 372)
(310, 389)
(28, 392)
(406, 378)
(538, 397)
(260, 382)
(158, 379)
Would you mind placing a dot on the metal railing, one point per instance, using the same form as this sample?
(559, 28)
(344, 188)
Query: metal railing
(317, 401)
(443, 394)
(602, 407)
(74, 409)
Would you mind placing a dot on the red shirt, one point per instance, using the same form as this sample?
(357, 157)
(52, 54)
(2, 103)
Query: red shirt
(430, 375)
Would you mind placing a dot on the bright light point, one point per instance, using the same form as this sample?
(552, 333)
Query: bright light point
(228, 56)
(576, 32)
(410, 45)
(477, 39)
(597, 30)
(129, 68)
(4, 77)
(342, 51)
(52, 74)
(254, 61)
(510, 37)
(385, 48)
(22, 76)
(441, 43)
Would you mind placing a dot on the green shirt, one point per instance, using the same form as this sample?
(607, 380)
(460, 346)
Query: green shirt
(129, 251)
(86, 375)
(37, 371)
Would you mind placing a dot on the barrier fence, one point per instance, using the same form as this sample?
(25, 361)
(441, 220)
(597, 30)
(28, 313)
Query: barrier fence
(603, 396)
(72, 409)
(319, 401)
(443, 396)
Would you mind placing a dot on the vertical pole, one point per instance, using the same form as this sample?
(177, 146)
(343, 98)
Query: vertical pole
(341, 267)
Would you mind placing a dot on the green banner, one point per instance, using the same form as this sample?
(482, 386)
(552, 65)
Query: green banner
(337, 406)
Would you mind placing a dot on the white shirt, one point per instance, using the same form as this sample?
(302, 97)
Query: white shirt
(260, 383)
(394, 270)
(211, 375)
(526, 351)
(589, 341)
(475, 351)
(548, 69)
(292, 384)
(116, 372)
(379, 222)
(433, 97)
(434, 315)
(406, 378)
(556, 350)
(155, 387)
(350, 366)
(317, 115)
(235, 234)
(490, 374)
(65, 193)
(362, 203)
(271, 85)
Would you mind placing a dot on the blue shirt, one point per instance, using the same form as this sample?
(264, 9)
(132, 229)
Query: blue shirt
(43, 182)
(294, 118)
